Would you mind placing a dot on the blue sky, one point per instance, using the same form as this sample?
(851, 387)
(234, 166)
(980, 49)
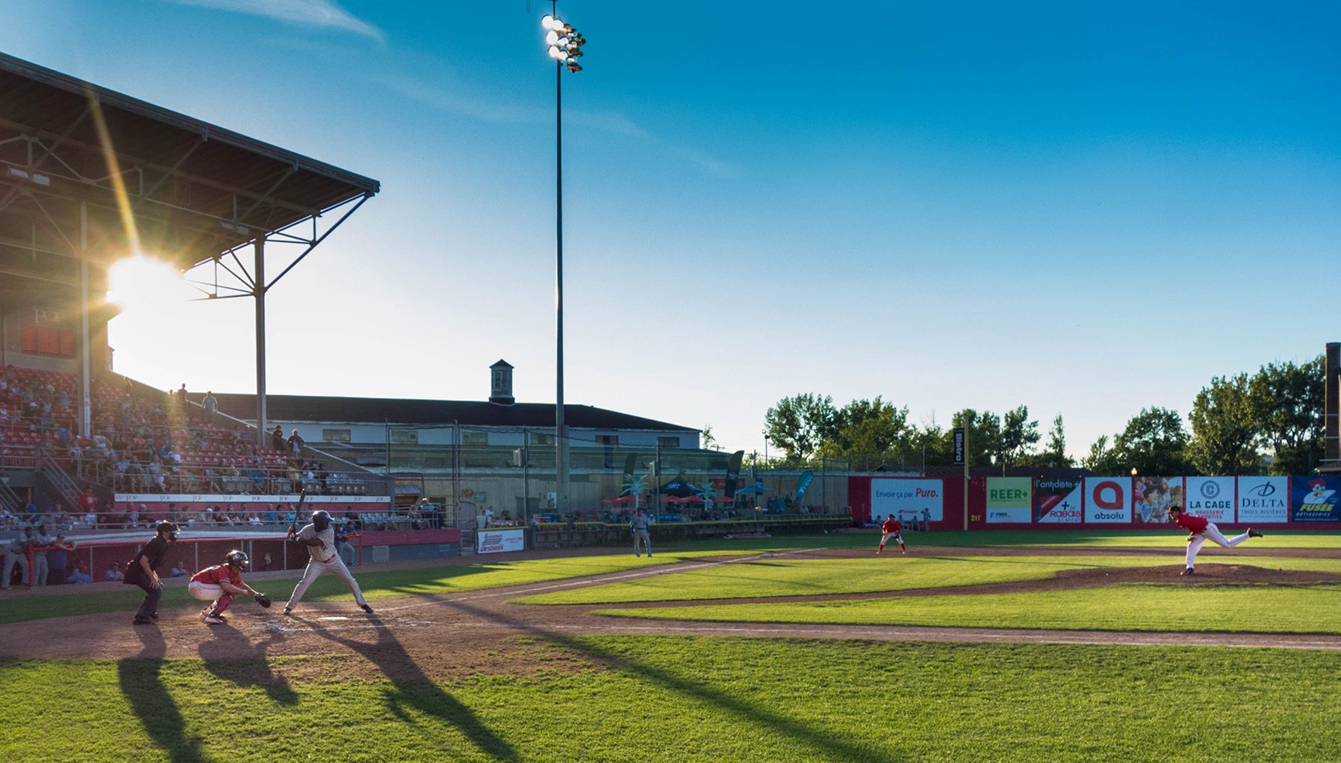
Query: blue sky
(1083, 207)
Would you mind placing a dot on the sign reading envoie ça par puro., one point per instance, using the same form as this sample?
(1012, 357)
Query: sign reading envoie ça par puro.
(892, 496)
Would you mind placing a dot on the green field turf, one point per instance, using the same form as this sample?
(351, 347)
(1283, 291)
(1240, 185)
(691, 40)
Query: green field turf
(782, 576)
(375, 585)
(1259, 608)
(1166, 537)
(696, 699)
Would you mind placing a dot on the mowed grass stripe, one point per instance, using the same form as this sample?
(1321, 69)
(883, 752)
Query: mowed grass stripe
(1312, 609)
(784, 576)
(697, 699)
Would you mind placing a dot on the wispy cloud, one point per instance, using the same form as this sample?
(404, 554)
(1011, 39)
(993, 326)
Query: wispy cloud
(321, 13)
(501, 113)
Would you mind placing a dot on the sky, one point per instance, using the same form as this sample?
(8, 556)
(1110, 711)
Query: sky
(1086, 208)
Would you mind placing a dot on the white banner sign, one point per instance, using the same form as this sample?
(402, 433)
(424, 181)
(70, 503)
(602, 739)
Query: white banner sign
(500, 541)
(1212, 498)
(892, 496)
(1264, 499)
(385, 500)
(1058, 500)
(1108, 499)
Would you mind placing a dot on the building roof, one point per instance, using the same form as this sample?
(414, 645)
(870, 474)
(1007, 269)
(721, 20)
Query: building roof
(376, 410)
(195, 189)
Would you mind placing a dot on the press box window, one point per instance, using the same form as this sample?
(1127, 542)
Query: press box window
(405, 436)
(335, 435)
(668, 442)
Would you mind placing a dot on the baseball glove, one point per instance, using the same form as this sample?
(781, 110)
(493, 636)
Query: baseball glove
(263, 600)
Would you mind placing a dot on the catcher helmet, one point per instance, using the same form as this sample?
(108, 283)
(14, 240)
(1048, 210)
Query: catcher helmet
(321, 520)
(236, 559)
(167, 527)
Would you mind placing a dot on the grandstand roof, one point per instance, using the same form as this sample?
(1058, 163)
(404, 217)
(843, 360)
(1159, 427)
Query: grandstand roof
(374, 410)
(195, 189)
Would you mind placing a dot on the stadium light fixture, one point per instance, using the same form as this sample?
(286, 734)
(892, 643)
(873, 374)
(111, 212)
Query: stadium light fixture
(564, 45)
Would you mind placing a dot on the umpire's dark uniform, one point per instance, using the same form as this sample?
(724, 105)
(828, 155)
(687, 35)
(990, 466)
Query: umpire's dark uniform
(153, 551)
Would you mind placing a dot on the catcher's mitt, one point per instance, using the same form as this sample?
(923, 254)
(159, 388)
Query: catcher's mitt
(263, 600)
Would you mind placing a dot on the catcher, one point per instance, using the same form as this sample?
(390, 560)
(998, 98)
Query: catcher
(220, 585)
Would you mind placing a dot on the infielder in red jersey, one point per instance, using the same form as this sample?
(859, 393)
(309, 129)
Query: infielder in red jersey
(1200, 530)
(891, 529)
(220, 584)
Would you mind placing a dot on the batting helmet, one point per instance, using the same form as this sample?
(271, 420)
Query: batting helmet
(321, 520)
(236, 559)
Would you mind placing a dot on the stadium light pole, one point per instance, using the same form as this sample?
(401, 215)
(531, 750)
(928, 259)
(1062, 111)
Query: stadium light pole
(564, 45)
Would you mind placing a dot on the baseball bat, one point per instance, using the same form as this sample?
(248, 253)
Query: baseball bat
(297, 510)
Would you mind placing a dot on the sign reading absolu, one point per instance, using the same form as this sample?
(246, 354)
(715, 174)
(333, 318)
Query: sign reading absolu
(499, 541)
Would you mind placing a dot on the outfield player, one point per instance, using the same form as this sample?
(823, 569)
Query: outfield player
(641, 539)
(319, 537)
(1200, 530)
(220, 585)
(892, 529)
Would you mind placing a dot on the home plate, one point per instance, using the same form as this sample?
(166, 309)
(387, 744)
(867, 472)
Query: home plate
(332, 617)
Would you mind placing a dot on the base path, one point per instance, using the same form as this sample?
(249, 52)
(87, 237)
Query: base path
(442, 636)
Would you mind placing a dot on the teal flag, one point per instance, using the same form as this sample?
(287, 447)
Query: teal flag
(803, 483)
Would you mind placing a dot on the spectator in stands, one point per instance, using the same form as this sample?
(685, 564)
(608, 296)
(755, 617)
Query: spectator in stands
(210, 403)
(114, 574)
(296, 443)
(135, 515)
(277, 438)
(182, 395)
(342, 546)
(81, 575)
(31, 511)
(58, 559)
(179, 570)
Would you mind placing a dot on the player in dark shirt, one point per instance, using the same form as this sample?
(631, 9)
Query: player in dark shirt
(140, 571)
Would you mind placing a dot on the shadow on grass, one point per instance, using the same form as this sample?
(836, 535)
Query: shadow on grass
(230, 655)
(142, 684)
(412, 688)
(831, 744)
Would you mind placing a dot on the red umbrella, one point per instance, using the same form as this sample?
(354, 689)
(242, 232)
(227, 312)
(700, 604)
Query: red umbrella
(621, 499)
(692, 499)
(669, 499)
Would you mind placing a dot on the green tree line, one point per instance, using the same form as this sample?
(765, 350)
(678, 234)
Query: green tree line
(1267, 422)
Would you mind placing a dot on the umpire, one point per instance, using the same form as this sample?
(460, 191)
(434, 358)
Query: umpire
(140, 571)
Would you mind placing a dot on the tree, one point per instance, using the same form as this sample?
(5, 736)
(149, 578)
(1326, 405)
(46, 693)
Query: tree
(1287, 405)
(1053, 454)
(707, 440)
(868, 427)
(1154, 442)
(1100, 458)
(1018, 435)
(1224, 433)
(800, 424)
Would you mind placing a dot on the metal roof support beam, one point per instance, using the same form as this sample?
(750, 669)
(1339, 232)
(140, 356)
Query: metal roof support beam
(258, 291)
(315, 243)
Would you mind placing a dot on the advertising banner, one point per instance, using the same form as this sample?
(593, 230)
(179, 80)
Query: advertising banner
(1010, 499)
(1264, 499)
(1152, 497)
(1057, 500)
(803, 484)
(1108, 499)
(1212, 498)
(1314, 499)
(500, 541)
(959, 446)
(892, 497)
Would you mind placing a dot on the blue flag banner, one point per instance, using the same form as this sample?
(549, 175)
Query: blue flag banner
(803, 484)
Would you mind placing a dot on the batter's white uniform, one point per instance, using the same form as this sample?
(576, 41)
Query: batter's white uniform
(324, 559)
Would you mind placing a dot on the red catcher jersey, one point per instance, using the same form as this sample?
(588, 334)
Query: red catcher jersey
(216, 574)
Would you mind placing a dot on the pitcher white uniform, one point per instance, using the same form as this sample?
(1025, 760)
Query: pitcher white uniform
(324, 559)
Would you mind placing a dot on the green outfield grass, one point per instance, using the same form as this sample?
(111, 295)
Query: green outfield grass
(375, 585)
(782, 576)
(696, 699)
(1260, 609)
(1165, 537)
